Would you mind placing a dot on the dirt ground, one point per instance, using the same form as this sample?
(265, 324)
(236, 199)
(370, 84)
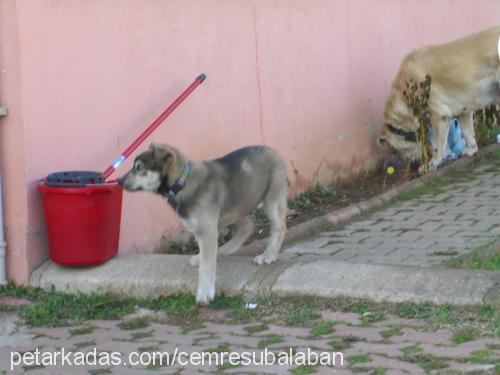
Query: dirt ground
(318, 201)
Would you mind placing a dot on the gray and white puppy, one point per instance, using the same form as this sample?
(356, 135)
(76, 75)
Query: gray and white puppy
(208, 195)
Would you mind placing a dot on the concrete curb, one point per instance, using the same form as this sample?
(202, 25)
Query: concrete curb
(386, 283)
(343, 215)
(152, 275)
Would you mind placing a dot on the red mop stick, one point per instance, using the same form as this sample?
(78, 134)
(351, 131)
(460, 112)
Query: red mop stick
(151, 128)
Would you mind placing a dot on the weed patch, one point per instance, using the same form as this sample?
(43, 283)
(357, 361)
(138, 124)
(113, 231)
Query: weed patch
(303, 370)
(256, 328)
(339, 344)
(129, 325)
(371, 317)
(269, 340)
(464, 335)
(81, 331)
(429, 187)
(485, 257)
(355, 359)
(302, 317)
(316, 195)
(323, 328)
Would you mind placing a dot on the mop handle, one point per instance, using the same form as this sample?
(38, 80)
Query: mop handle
(125, 154)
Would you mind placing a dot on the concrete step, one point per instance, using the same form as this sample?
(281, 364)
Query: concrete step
(152, 275)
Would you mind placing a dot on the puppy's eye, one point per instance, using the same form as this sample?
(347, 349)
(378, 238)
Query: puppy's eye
(138, 167)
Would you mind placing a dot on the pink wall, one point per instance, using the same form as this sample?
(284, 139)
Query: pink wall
(82, 78)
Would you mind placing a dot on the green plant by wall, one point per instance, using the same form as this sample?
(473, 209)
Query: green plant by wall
(417, 97)
(487, 125)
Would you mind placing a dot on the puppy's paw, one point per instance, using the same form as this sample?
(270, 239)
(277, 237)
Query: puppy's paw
(205, 294)
(470, 151)
(195, 260)
(264, 259)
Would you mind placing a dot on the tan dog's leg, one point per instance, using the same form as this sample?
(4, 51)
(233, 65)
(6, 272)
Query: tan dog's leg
(244, 229)
(467, 123)
(205, 232)
(276, 211)
(440, 127)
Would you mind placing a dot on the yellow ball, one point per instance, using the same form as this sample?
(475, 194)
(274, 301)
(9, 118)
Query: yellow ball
(390, 170)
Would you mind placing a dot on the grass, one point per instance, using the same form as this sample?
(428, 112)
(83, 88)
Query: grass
(428, 187)
(493, 154)
(303, 370)
(427, 362)
(142, 335)
(51, 308)
(464, 335)
(485, 257)
(302, 317)
(137, 323)
(269, 340)
(411, 350)
(359, 358)
(81, 331)
(339, 344)
(316, 195)
(191, 327)
(100, 371)
(481, 356)
(394, 331)
(260, 217)
(371, 317)
(449, 252)
(322, 328)
(256, 328)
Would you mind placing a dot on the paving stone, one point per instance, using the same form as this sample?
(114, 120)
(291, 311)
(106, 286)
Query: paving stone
(441, 337)
(392, 364)
(392, 350)
(348, 318)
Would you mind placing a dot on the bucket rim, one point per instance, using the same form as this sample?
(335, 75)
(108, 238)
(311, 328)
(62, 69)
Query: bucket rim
(79, 189)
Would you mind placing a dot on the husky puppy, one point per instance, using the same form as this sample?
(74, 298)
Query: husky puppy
(208, 195)
(465, 76)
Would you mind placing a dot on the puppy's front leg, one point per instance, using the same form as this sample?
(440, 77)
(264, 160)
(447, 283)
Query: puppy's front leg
(207, 242)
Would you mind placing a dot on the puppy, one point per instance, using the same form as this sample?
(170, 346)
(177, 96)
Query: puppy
(465, 76)
(208, 195)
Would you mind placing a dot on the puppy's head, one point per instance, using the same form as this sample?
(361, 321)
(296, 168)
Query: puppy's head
(151, 168)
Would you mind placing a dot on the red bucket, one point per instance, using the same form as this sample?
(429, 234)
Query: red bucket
(83, 222)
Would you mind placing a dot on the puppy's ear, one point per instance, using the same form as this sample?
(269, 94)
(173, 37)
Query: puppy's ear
(160, 153)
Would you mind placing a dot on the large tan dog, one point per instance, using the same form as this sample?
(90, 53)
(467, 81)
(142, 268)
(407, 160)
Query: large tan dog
(465, 77)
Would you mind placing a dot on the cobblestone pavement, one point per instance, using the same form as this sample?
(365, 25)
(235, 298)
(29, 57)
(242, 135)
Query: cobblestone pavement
(423, 231)
(449, 222)
(369, 343)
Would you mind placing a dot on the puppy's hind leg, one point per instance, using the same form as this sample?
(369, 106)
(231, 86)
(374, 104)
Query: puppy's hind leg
(468, 132)
(276, 211)
(244, 229)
